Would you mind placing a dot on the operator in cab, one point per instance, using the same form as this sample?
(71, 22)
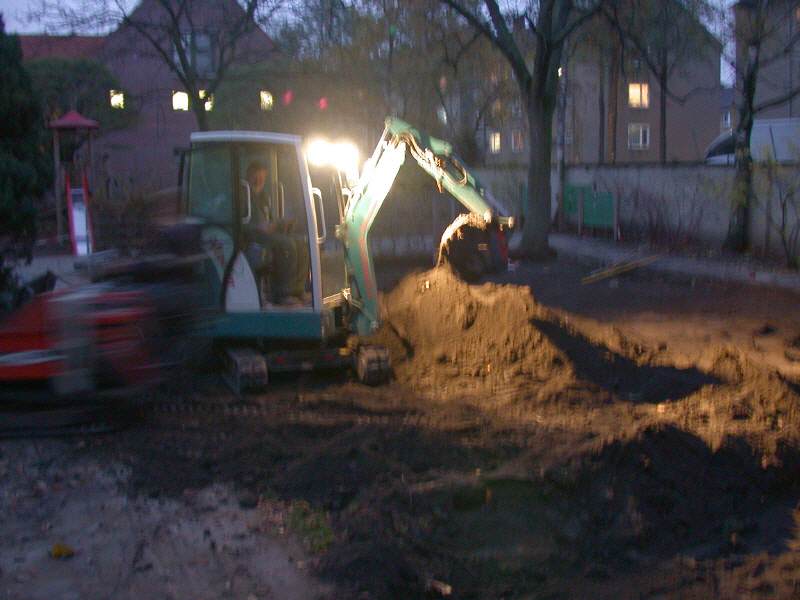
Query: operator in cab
(277, 259)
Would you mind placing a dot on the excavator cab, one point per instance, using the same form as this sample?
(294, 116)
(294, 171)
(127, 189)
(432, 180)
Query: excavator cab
(250, 195)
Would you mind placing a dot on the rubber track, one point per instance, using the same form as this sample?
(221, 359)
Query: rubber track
(297, 415)
(60, 422)
(193, 414)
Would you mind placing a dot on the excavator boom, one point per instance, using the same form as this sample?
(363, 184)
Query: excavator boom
(366, 197)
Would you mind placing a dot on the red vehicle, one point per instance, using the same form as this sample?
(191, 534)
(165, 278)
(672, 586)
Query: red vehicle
(79, 340)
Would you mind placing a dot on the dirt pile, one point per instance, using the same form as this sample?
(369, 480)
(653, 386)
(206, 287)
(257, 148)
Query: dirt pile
(496, 345)
(496, 342)
(747, 401)
(445, 335)
(792, 351)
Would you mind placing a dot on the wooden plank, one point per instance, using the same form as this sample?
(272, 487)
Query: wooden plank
(619, 268)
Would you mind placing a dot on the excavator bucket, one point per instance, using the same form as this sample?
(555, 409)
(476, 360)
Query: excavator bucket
(473, 248)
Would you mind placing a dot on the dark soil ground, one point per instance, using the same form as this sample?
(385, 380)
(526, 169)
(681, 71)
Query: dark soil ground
(633, 438)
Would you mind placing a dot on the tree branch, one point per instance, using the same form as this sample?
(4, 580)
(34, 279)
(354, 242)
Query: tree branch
(576, 23)
(508, 45)
(473, 20)
(788, 96)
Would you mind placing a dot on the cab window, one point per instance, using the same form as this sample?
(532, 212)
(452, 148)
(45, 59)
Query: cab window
(210, 190)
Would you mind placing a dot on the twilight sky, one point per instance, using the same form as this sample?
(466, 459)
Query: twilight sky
(15, 13)
(14, 16)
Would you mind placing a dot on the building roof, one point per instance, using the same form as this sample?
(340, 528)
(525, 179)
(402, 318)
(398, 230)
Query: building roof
(74, 120)
(725, 98)
(60, 46)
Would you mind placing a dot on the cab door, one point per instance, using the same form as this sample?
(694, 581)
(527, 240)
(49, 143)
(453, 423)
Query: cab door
(211, 200)
(329, 205)
(276, 222)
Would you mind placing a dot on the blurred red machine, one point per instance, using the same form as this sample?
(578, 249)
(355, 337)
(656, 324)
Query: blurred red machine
(76, 341)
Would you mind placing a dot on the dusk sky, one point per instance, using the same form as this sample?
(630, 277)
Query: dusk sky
(14, 16)
(15, 13)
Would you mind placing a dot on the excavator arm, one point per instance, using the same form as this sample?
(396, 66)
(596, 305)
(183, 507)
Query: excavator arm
(365, 198)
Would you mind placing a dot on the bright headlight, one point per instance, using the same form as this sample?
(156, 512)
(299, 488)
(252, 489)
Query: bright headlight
(345, 157)
(319, 153)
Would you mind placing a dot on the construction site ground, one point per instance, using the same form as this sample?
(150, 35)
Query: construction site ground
(638, 437)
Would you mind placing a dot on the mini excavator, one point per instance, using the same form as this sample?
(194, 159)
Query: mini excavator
(310, 302)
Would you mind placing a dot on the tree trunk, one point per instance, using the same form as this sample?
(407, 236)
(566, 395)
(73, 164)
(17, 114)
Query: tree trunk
(662, 122)
(561, 148)
(739, 226)
(613, 100)
(537, 219)
(601, 107)
(199, 109)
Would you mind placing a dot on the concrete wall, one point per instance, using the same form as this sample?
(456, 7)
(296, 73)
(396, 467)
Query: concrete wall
(673, 204)
(691, 203)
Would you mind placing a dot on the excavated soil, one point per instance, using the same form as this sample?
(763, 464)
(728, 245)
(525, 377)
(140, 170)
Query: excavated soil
(523, 450)
(448, 337)
(496, 346)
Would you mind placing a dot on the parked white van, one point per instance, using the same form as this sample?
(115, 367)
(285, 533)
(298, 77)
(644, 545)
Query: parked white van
(771, 138)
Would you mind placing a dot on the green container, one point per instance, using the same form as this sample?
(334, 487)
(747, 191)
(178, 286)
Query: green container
(598, 210)
(572, 198)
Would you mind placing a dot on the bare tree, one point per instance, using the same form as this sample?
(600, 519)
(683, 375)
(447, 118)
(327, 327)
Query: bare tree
(765, 34)
(539, 30)
(665, 35)
(198, 40)
(780, 201)
(474, 85)
(316, 28)
(600, 47)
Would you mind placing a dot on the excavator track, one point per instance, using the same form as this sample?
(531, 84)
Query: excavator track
(62, 421)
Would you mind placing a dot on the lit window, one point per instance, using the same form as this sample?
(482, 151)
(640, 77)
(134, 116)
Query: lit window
(638, 95)
(638, 136)
(441, 114)
(180, 101)
(117, 99)
(267, 100)
(209, 100)
(726, 119)
(494, 142)
(517, 141)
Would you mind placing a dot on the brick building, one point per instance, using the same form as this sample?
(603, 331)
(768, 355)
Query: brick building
(612, 111)
(142, 155)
